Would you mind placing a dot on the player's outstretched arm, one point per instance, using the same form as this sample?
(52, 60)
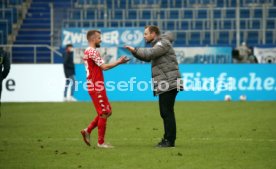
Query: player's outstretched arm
(121, 60)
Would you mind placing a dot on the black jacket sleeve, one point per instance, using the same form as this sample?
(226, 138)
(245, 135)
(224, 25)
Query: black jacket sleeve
(6, 66)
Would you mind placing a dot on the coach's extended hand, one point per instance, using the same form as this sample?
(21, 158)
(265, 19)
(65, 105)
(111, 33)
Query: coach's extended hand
(130, 48)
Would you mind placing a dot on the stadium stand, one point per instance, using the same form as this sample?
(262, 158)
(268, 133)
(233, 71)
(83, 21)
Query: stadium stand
(191, 17)
(195, 22)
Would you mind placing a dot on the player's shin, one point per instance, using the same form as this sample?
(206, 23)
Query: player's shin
(93, 124)
(101, 129)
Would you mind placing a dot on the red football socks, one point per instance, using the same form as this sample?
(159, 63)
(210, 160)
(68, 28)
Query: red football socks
(101, 130)
(93, 124)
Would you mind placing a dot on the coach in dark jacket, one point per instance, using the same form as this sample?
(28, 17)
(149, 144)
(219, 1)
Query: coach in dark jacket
(69, 71)
(165, 76)
(4, 66)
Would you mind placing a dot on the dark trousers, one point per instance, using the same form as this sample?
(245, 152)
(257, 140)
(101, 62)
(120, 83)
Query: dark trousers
(0, 88)
(70, 82)
(166, 106)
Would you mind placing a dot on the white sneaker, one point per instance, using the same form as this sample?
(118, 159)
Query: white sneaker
(105, 145)
(65, 99)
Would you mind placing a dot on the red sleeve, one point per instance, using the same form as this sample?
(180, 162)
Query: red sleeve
(95, 56)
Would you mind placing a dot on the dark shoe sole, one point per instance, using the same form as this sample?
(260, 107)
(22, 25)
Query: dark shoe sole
(83, 136)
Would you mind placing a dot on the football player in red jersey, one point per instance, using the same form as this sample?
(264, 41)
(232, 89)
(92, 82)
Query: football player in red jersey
(95, 81)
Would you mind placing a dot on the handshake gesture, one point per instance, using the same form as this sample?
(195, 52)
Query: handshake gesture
(130, 48)
(123, 59)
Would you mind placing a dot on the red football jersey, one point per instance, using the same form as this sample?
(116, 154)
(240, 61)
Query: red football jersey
(93, 61)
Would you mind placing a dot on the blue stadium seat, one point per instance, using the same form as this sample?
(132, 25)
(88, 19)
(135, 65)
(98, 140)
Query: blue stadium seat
(258, 13)
(245, 13)
(152, 2)
(162, 14)
(99, 24)
(184, 25)
(188, 14)
(165, 4)
(14, 13)
(198, 25)
(170, 25)
(36, 21)
(146, 14)
(220, 3)
(272, 13)
(191, 3)
(93, 2)
(81, 2)
(195, 38)
(270, 24)
(7, 15)
(38, 10)
(142, 23)
(37, 37)
(15, 2)
(75, 14)
(37, 26)
(132, 14)
(256, 24)
(37, 15)
(118, 14)
(1, 37)
(230, 13)
(32, 32)
(121, 4)
(32, 42)
(174, 14)
(227, 24)
(178, 4)
(181, 36)
(207, 38)
(253, 37)
(4, 28)
(86, 24)
(153, 23)
(90, 14)
(26, 55)
(114, 24)
(217, 14)
(233, 3)
(129, 24)
(68, 24)
(180, 39)
(63, 4)
(243, 24)
(223, 38)
(100, 14)
(202, 14)
(269, 37)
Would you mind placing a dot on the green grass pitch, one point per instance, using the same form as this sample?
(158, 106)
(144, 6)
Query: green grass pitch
(210, 135)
